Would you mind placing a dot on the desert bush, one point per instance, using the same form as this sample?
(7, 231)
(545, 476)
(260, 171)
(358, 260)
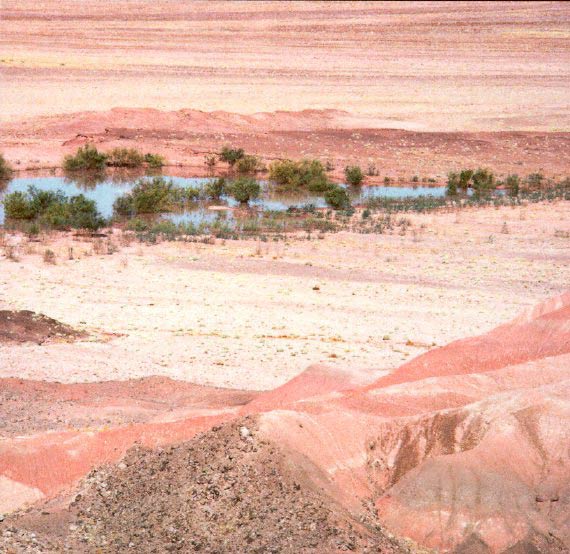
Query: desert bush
(154, 161)
(18, 206)
(6, 170)
(154, 196)
(247, 165)
(215, 189)
(86, 158)
(337, 197)
(483, 182)
(372, 170)
(512, 183)
(231, 155)
(453, 184)
(49, 256)
(244, 189)
(309, 174)
(53, 209)
(124, 157)
(415, 179)
(354, 175)
(535, 180)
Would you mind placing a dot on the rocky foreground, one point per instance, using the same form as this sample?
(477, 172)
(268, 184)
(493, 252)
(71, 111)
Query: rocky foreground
(463, 449)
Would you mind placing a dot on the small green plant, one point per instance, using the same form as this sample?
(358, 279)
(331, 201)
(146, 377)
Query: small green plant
(415, 179)
(231, 155)
(49, 256)
(247, 165)
(387, 180)
(453, 184)
(337, 198)
(125, 157)
(154, 161)
(215, 189)
(86, 158)
(307, 174)
(6, 170)
(244, 189)
(512, 183)
(354, 175)
(483, 182)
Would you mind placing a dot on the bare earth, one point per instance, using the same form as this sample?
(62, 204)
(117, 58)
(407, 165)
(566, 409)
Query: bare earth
(245, 315)
(437, 66)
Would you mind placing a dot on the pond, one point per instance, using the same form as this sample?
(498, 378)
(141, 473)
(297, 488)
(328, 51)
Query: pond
(105, 192)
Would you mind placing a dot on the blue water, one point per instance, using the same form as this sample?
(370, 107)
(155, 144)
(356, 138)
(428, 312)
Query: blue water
(106, 192)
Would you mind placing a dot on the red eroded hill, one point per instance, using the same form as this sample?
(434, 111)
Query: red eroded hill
(464, 449)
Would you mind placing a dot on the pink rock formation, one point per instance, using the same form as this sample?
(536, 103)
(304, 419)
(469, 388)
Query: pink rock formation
(465, 449)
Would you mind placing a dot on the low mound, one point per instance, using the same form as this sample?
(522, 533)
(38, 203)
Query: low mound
(228, 490)
(27, 326)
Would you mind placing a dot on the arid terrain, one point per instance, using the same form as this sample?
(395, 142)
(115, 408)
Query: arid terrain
(403, 391)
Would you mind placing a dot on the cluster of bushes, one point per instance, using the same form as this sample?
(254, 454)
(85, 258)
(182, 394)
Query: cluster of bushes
(154, 195)
(88, 158)
(54, 210)
(236, 158)
(481, 182)
(304, 174)
(311, 175)
(354, 175)
(159, 195)
(5, 169)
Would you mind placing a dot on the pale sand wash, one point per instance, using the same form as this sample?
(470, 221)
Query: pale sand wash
(246, 315)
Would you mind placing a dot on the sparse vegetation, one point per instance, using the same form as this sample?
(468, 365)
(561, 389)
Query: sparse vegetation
(337, 197)
(6, 170)
(125, 157)
(231, 155)
(512, 183)
(247, 165)
(305, 174)
(87, 158)
(354, 175)
(215, 189)
(154, 195)
(53, 210)
(154, 161)
(481, 182)
(244, 189)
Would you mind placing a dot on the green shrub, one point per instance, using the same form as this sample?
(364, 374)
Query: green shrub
(154, 161)
(148, 196)
(512, 182)
(86, 158)
(308, 174)
(453, 184)
(5, 169)
(483, 182)
(215, 189)
(155, 195)
(53, 209)
(244, 189)
(247, 165)
(125, 157)
(18, 206)
(337, 197)
(231, 155)
(354, 175)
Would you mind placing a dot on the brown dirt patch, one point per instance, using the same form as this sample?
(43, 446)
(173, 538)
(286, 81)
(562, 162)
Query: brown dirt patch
(228, 490)
(28, 326)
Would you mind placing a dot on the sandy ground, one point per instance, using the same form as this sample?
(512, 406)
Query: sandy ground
(246, 315)
(422, 66)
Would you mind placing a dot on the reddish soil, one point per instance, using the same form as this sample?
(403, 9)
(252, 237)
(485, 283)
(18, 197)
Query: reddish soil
(464, 457)
(186, 136)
